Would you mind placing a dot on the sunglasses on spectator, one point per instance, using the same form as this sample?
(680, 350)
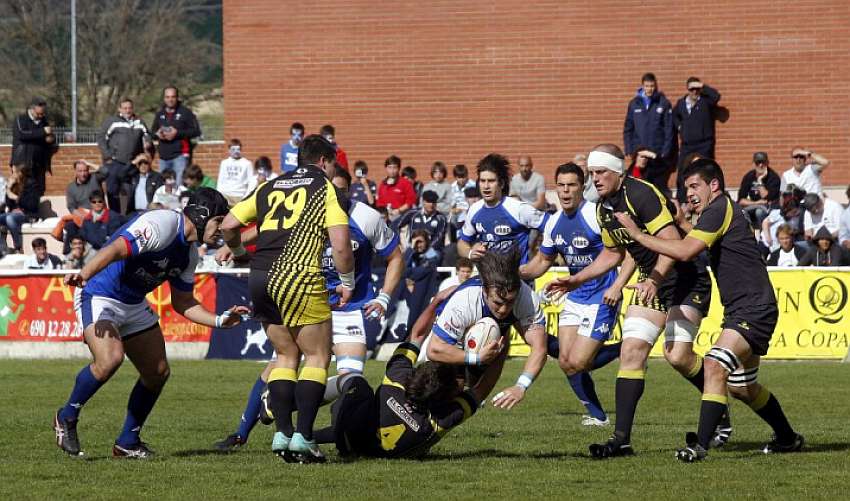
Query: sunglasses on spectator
(691, 89)
(802, 157)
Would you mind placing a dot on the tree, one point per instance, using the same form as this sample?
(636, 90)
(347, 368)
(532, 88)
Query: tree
(127, 48)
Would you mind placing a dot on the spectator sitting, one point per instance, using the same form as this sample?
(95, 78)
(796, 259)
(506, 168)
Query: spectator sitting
(168, 195)
(80, 189)
(441, 187)
(428, 220)
(844, 225)
(529, 186)
(825, 252)
(235, 174)
(362, 189)
(821, 212)
(410, 174)
(329, 132)
(41, 259)
(759, 191)
(805, 171)
(79, 255)
(395, 192)
(289, 149)
(100, 223)
(194, 178)
(22, 205)
(472, 195)
(175, 126)
(144, 185)
(787, 255)
(463, 270)
(263, 172)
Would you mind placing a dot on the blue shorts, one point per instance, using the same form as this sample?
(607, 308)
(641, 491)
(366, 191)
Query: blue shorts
(595, 321)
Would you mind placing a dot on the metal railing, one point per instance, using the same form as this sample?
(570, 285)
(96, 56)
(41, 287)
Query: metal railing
(89, 134)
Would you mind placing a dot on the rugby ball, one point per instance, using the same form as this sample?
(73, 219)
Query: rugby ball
(481, 333)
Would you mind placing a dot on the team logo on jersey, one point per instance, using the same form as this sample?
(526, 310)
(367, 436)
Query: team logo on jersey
(143, 235)
(301, 171)
(489, 237)
(479, 228)
(580, 242)
(355, 245)
(502, 230)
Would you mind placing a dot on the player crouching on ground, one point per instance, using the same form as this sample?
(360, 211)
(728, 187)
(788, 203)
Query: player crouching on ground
(749, 308)
(110, 303)
(497, 293)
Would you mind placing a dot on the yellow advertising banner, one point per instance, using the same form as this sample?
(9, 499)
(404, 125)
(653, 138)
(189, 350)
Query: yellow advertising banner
(814, 316)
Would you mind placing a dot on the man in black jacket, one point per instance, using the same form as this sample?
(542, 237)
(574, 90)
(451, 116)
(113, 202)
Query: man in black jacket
(33, 143)
(145, 184)
(122, 136)
(175, 126)
(649, 123)
(693, 117)
(759, 191)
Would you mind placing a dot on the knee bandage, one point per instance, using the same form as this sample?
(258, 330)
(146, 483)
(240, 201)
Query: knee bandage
(640, 328)
(726, 358)
(743, 377)
(680, 331)
(348, 363)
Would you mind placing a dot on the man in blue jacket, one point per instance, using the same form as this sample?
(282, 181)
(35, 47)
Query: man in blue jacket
(693, 117)
(649, 124)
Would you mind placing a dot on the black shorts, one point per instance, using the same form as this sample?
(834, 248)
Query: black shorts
(354, 417)
(685, 285)
(754, 323)
(264, 308)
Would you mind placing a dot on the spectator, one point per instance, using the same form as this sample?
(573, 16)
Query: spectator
(362, 189)
(787, 254)
(263, 172)
(329, 133)
(168, 195)
(459, 205)
(194, 178)
(805, 171)
(289, 149)
(472, 195)
(789, 212)
(121, 138)
(590, 193)
(41, 259)
(759, 191)
(427, 219)
(33, 143)
(144, 185)
(844, 225)
(649, 122)
(441, 187)
(175, 126)
(825, 252)
(529, 186)
(639, 162)
(101, 222)
(80, 189)
(235, 174)
(821, 212)
(463, 270)
(395, 192)
(79, 255)
(22, 205)
(409, 173)
(693, 117)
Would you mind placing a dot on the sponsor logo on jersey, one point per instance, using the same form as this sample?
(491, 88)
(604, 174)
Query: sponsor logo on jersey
(479, 228)
(580, 242)
(143, 236)
(402, 413)
(502, 230)
(291, 183)
(355, 331)
(559, 240)
(301, 171)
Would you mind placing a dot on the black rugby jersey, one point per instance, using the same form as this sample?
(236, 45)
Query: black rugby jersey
(736, 263)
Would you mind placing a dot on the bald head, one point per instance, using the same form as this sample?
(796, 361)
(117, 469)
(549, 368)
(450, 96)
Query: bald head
(526, 166)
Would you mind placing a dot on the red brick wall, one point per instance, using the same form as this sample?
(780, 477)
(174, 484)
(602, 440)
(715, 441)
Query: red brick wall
(207, 155)
(452, 81)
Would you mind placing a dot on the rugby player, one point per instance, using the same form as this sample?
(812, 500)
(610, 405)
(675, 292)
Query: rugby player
(369, 235)
(670, 297)
(590, 312)
(296, 213)
(749, 308)
(497, 293)
(116, 319)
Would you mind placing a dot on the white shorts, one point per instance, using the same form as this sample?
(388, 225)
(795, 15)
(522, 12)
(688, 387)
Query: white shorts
(348, 327)
(130, 319)
(595, 321)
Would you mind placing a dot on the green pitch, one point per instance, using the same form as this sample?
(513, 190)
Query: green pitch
(538, 450)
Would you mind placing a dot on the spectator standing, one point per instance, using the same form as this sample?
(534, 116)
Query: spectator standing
(805, 171)
(649, 122)
(121, 138)
(194, 178)
(362, 189)
(463, 270)
(144, 185)
(759, 190)
(329, 133)
(33, 143)
(100, 223)
(168, 195)
(409, 173)
(175, 126)
(441, 187)
(427, 219)
(787, 255)
(40, 259)
(459, 205)
(694, 118)
(529, 186)
(79, 255)
(395, 192)
(289, 149)
(821, 212)
(235, 174)
(80, 189)
(825, 252)
(844, 225)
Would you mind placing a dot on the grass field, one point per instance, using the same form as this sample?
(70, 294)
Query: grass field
(538, 450)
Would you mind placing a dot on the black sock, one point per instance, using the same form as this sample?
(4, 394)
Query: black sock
(553, 346)
(767, 407)
(697, 374)
(711, 412)
(281, 386)
(325, 436)
(629, 389)
(309, 393)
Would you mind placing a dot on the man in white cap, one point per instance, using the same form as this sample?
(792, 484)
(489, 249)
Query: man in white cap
(670, 297)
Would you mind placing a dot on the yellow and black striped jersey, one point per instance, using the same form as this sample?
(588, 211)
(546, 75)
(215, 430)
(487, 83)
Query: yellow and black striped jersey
(736, 262)
(292, 212)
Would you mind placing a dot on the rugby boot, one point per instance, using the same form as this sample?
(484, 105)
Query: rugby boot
(774, 447)
(266, 414)
(722, 432)
(587, 420)
(693, 451)
(139, 450)
(66, 435)
(303, 451)
(230, 444)
(280, 442)
(614, 447)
